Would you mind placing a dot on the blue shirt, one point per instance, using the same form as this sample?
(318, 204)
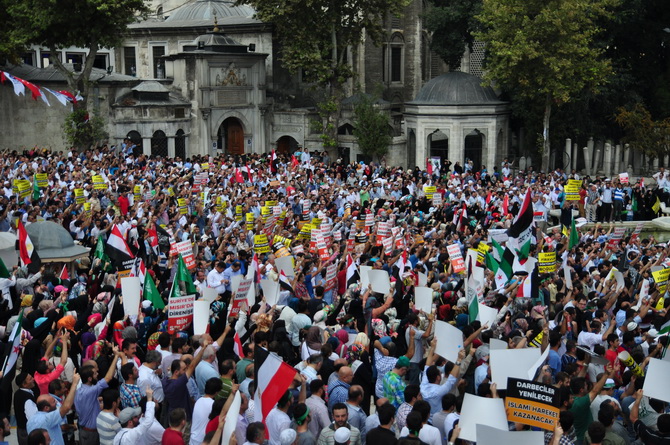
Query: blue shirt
(87, 405)
(554, 362)
(50, 422)
(203, 372)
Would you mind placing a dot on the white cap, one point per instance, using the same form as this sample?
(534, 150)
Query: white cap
(631, 326)
(342, 435)
(288, 436)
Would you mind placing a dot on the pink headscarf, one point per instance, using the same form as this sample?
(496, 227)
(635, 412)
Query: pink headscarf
(343, 337)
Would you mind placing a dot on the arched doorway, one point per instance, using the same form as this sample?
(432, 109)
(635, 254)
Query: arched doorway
(230, 137)
(159, 144)
(180, 145)
(474, 142)
(286, 145)
(136, 140)
(411, 149)
(439, 145)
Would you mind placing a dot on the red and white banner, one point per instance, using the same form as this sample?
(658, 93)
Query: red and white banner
(180, 313)
(186, 250)
(457, 263)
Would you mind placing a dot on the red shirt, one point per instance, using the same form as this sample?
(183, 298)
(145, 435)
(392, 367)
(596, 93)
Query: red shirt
(172, 437)
(212, 425)
(42, 380)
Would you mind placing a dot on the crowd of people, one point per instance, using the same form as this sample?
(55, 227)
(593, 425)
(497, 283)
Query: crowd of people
(366, 363)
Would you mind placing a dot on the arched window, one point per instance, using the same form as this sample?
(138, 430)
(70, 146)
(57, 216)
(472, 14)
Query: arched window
(180, 145)
(393, 59)
(159, 13)
(159, 144)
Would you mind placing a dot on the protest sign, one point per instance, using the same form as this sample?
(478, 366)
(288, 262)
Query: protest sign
(506, 363)
(42, 180)
(200, 316)
(331, 277)
(456, 258)
(547, 262)
(449, 340)
(209, 294)
(261, 244)
(180, 312)
(616, 237)
(99, 183)
(379, 279)
(656, 380)
(572, 189)
(131, 290)
(477, 410)
(423, 299)
(532, 403)
(79, 196)
(487, 435)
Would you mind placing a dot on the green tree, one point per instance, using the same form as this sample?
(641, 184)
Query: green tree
(82, 130)
(544, 52)
(452, 24)
(371, 127)
(92, 24)
(643, 133)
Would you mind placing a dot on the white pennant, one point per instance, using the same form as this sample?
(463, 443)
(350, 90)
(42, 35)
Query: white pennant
(19, 88)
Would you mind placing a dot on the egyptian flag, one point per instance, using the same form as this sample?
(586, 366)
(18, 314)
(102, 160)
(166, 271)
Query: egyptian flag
(27, 252)
(64, 275)
(429, 167)
(401, 264)
(284, 282)
(460, 216)
(253, 270)
(117, 249)
(352, 272)
(521, 231)
(153, 239)
(273, 377)
(273, 162)
(237, 346)
(139, 270)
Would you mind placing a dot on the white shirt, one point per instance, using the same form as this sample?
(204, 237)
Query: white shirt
(148, 378)
(276, 422)
(200, 419)
(589, 339)
(428, 434)
(131, 436)
(215, 280)
(154, 434)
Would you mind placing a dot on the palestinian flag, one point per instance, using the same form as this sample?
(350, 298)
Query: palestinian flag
(284, 282)
(117, 249)
(273, 377)
(27, 252)
(352, 272)
(507, 263)
(521, 231)
(237, 346)
(14, 345)
(151, 292)
(530, 287)
(497, 250)
(64, 274)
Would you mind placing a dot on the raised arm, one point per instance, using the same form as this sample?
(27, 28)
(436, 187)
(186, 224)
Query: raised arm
(112, 366)
(191, 368)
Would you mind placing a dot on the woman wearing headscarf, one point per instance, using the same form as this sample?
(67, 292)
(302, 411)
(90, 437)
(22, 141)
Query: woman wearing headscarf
(312, 343)
(343, 337)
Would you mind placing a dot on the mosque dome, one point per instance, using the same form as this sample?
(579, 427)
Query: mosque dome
(206, 10)
(53, 242)
(456, 88)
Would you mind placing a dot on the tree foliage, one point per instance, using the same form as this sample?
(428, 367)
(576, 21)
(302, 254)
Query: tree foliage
(452, 24)
(371, 127)
(82, 130)
(544, 52)
(315, 34)
(643, 133)
(92, 24)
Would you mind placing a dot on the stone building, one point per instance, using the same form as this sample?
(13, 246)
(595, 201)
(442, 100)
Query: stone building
(203, 77)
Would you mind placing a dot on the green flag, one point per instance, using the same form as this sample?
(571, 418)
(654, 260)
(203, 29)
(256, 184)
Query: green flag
(151, 292)
(491, 262)
(182, 281)
(100, 249)
(498, 249)
(36, 189)
(574, 235)
(4, 273)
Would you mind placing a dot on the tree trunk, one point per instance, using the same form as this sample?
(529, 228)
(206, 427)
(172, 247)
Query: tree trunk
(546, 146)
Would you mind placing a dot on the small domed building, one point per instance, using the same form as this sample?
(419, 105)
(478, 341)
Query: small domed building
(454, 117)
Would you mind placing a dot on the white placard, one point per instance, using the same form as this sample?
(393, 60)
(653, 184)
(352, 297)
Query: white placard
(200, 316)
(487, 315)
(511, 363)
(423, 279)
(363, 274)
(423, 299)
(209, 294)
(540, 361)
(130, 289)
(568, 275)
(449, 340)
(655, 382)
(487, 435)
(481, 409)
(231, 419)
(494, 343)
(235, 282)
(285, 263)
(270, 291)
(380, 281)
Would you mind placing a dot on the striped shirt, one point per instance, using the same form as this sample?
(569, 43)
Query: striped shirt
(108, 425)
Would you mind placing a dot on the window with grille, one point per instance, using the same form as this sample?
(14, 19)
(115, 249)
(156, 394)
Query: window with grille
(129, 61)
(159, 144)
(159, 64)
(179, 113)
(180, 145)
(477, 58)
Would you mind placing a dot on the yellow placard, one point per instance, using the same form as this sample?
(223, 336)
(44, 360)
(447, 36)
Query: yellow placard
(261, 244)
(429, 190)
(42, 180)
(99, 183)
(183, 209)
(79, 196)
(572, 189)
(547, 262)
